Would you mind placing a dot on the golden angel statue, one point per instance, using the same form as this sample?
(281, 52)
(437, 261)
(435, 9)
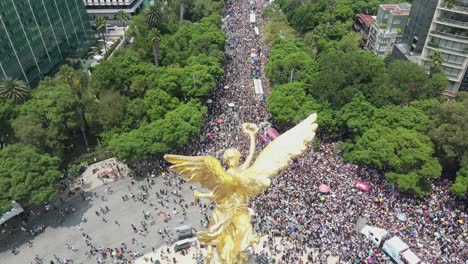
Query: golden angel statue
(230, 230)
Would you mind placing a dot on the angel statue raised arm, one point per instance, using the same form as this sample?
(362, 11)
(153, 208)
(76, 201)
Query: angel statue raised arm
(230, 230)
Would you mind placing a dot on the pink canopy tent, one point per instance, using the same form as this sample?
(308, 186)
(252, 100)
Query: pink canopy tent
(272, 133)
(323, 188)
(362, 185)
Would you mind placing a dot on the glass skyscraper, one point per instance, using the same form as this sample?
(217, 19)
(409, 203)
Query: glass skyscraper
(36, 35)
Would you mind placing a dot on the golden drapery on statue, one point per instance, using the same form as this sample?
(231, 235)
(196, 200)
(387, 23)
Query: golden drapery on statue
(230, 230)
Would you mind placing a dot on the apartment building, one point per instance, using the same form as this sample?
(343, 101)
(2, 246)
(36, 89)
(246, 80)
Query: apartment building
(387, 28)
(438, 25)
(448, 34)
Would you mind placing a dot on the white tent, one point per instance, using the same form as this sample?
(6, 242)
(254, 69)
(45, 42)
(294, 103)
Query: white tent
(252, 18)
(410, 257)
(15, 210)
(258, 86)
(257, 32)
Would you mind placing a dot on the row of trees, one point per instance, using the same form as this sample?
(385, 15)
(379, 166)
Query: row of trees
(390, 113)
(144, 101)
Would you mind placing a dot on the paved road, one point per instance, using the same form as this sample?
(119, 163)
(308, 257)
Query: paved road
(53, 239)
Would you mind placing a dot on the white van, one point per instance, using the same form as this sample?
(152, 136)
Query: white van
(374, 234)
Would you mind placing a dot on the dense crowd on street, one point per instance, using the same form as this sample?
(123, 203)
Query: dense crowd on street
(293, 208)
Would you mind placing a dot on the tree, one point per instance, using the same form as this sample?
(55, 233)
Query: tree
(408, 155)
(101, 27)
(356, 116)
(154, 15)
(48, 118)
(27, 176)
(331, 11)
(158, 103)
(77, 83)
(434, 61)
(13, 89)
(312, 39)
(108, 111)
(342, 74)
(123, 18)
(409, 78)
(308, 16)
(182, 4)
(460, 186)
(438, 83)
(289, 61)
(449, 130)
(192, 39)
(407, 117)
(7, 113)
(155, 37)
(286, 103)
(277, 27)
(156, 138)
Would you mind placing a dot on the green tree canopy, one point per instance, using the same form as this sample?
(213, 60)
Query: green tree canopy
(107, 111)
(342, 74)
(7, 113)
(449, 129)
(460, 187)
(27, 176)
(47, 119)
(158, 103)
(191, 40)
(161, 136)
(16, 90)
(288, 59)
(408, 153)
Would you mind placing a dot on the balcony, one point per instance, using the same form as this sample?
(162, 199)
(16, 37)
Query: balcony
(457, 35)
(444, 49)
(458, 7)
(451, 22)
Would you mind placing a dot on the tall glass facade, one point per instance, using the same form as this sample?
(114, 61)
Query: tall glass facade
(36, 35)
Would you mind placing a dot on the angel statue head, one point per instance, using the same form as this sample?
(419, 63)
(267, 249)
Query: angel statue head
(231, 157)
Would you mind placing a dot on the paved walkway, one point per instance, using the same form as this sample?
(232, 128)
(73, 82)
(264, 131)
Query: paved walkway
(194, 251)
(106, 235)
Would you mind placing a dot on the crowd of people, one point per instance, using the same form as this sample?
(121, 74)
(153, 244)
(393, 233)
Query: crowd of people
(293, 208)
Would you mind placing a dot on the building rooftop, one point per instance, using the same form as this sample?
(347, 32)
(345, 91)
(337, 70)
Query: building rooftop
(402, 9)
(367, 19)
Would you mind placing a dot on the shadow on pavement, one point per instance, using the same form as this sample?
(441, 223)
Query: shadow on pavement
(60, 215)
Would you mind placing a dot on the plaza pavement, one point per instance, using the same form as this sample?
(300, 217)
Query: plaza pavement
(53, 240)
(56, 235)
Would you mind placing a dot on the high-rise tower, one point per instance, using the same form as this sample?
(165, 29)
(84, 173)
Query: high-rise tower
(37, 35)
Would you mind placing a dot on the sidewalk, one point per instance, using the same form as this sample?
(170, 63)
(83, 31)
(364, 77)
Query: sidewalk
(192, 252)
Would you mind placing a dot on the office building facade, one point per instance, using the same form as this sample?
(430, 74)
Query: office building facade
(387, 28)
(37, 35)
(417, 28)
(448, 35)
(435, 26)
(109, 8)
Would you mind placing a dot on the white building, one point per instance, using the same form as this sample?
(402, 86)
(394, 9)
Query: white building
(448, 34)
(108, 8)
(387, 28)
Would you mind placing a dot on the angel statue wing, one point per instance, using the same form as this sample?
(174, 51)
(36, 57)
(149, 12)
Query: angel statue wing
(206, 170)
(281, 151)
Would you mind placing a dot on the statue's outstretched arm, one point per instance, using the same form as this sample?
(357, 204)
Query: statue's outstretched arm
(251, 130)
